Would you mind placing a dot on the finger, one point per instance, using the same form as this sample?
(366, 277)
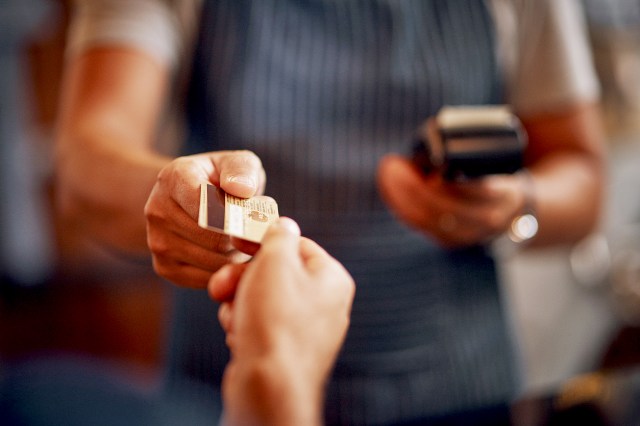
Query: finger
(490, 204)
(290, 225)
(240, 173)
(281, 236)
(181, 274)
(487, 189)
(245, 246)
(251, 248)
(211, 254)
(309, 250)
(398, 175)
(224, 317)
(473, 227)
(424, 202)
(230, 340)
(318, 261)
(169, 216)
(180, 181)
(224, 282)
(167, 245)
(330, 273)
(405, 189)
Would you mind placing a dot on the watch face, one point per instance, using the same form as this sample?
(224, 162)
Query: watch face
(523, 228)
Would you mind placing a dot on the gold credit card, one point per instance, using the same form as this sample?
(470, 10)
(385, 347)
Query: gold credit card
(246, 218)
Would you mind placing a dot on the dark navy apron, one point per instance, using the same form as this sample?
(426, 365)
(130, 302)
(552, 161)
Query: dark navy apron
(320, 90)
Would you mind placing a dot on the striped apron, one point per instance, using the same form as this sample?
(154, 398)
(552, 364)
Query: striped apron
(320, 90)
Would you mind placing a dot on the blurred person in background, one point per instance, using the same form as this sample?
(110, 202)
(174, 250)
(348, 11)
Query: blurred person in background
(317, 96)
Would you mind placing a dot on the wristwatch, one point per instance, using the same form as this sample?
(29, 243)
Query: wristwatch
(525, 226)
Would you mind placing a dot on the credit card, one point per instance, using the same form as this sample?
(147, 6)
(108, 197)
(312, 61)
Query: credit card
(245, 218)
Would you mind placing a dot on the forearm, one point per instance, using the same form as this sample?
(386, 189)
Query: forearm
(102, 187)
(110, 107)
(568, 198)
(567, 162)
(267, 391)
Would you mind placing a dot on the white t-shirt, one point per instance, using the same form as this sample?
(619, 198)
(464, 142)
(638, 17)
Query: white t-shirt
(542, 44)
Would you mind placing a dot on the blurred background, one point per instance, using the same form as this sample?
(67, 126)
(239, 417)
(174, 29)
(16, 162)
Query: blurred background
(60, 295)
(574, 309)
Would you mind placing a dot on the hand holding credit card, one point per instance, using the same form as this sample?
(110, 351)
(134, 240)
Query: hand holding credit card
(245, 218)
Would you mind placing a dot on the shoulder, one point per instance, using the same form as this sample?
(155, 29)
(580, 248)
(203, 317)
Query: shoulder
(160, 28)
(545, 51)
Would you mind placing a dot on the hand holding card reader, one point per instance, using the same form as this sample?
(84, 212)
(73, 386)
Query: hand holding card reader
(467, 142)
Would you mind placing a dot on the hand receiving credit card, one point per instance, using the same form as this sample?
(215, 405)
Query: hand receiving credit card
(245, 218)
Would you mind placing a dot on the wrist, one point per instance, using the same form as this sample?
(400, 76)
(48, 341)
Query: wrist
(272, 390)
(524, 226)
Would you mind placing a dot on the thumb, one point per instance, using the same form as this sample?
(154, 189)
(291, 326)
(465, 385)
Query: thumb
(282, 239)
(241, 173)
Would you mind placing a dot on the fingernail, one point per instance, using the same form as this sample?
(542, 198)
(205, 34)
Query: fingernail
(289, 224)
(242, 179)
